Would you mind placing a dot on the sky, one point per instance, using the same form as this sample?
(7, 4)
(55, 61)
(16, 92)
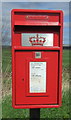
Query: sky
(6, 16)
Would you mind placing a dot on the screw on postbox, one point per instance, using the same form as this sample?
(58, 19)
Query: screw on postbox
(37, 58)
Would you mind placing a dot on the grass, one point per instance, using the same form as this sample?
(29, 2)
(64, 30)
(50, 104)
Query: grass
(6, 59)
(62, 112)
(66, 58)
(9, 112)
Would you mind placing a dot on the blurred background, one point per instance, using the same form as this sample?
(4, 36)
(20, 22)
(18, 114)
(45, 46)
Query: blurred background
(7, 110)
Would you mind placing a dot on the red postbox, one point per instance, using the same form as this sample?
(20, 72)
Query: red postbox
(36, 58)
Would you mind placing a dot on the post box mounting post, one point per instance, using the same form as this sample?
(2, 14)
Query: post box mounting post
(35, 114)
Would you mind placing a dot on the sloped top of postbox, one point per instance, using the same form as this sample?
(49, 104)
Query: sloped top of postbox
(37, 17)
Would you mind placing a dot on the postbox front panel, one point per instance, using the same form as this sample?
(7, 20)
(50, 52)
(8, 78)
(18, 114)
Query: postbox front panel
(42, 84)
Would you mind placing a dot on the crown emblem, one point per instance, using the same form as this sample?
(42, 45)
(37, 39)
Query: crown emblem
(37, 40)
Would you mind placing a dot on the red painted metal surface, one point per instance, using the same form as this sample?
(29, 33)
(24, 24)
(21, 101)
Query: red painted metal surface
(36, 21)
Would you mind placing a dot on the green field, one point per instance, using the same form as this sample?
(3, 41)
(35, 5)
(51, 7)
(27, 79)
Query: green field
(9, 112)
